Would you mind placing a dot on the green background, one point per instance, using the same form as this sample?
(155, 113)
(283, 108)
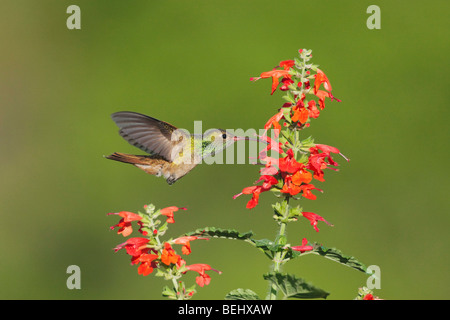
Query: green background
(181, 61)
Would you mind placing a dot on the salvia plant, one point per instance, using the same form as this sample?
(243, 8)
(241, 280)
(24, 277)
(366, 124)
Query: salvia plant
(288, 166)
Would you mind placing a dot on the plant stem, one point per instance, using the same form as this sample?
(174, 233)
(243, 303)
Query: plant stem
(277, 259)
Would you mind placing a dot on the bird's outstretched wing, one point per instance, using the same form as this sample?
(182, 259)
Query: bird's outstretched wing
(149, 134)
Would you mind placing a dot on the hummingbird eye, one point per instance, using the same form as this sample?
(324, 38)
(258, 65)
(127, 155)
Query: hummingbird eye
(224, 136)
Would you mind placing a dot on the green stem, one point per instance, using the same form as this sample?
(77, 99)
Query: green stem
(277, 259)
(175, 286)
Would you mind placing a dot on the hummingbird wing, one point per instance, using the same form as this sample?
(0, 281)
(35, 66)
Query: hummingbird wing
(149, 134)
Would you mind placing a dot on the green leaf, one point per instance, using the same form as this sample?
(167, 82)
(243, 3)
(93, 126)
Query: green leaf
(242, 294)
(221, 233)
(267, 246)
(287, 114)
(293, 287)
(289, 98)
(169, 293)
(280, 211)
(307, 143)
(337, 255)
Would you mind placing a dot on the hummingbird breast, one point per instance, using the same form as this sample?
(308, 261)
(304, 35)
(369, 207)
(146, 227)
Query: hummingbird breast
(169, 170)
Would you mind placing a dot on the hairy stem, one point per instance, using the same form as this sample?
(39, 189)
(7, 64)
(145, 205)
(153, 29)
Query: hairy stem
(277, 259)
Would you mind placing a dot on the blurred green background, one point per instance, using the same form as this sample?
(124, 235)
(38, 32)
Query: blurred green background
(181, 61)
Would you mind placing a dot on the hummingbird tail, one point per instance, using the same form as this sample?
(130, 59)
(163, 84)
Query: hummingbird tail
(153, 164)
(129, 158)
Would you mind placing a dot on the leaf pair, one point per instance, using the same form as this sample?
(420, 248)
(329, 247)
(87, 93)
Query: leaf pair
(289, 285)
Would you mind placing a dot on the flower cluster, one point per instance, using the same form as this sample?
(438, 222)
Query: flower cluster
(294, 163)
(150, 252)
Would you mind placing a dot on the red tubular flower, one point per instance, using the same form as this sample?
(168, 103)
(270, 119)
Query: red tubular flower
(301, 114)
(289, 164)
(271, 145)
(269, 181)
(146, 263)
(270, 163)
(124, 224)
(273, 121)
(322, 95)
(287, 64)
(321, 78)
(168, 212)
(289, 187)
(185, 241)
(255, 191)
(313, 111)
(306, 188)
(317, 161)
(314, 218)
(275, 75)
(304, 247)
(286, 83)
(169, 255)
(134, 246)
(302, 176)
(203, 279)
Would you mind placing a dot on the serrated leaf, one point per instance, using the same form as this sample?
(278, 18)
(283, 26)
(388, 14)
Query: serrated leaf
(289, 98)
(169, 293)
(242, 294)
(267, 246)
(221, 233)
(293, 287)
(337, 255)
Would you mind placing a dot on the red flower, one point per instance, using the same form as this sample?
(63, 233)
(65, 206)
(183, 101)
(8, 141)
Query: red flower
(134, 246)
(317, 161)
(255, 191)
(306, 188)
(314, 218)
(185, 241)
(124, 224)
(269, 181)
(294, 184)
(286, 83)
(147, 264)
(168, 255)
(313, 111)
(271, 145)
(168, 212)
(203, 279)
(304, 247)
(287, 64)
(301, 114)
(289, 187)
(321, 78)
(269, 168)
(273, 121)
(275, 75)
(289, 164)
(322, 95)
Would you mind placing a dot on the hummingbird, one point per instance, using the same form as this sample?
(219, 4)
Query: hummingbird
(172, 152)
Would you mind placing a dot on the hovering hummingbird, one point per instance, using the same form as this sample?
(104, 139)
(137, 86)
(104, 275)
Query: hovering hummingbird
(172, 152)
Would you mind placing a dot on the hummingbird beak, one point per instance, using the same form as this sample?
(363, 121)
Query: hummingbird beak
(236, 138)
